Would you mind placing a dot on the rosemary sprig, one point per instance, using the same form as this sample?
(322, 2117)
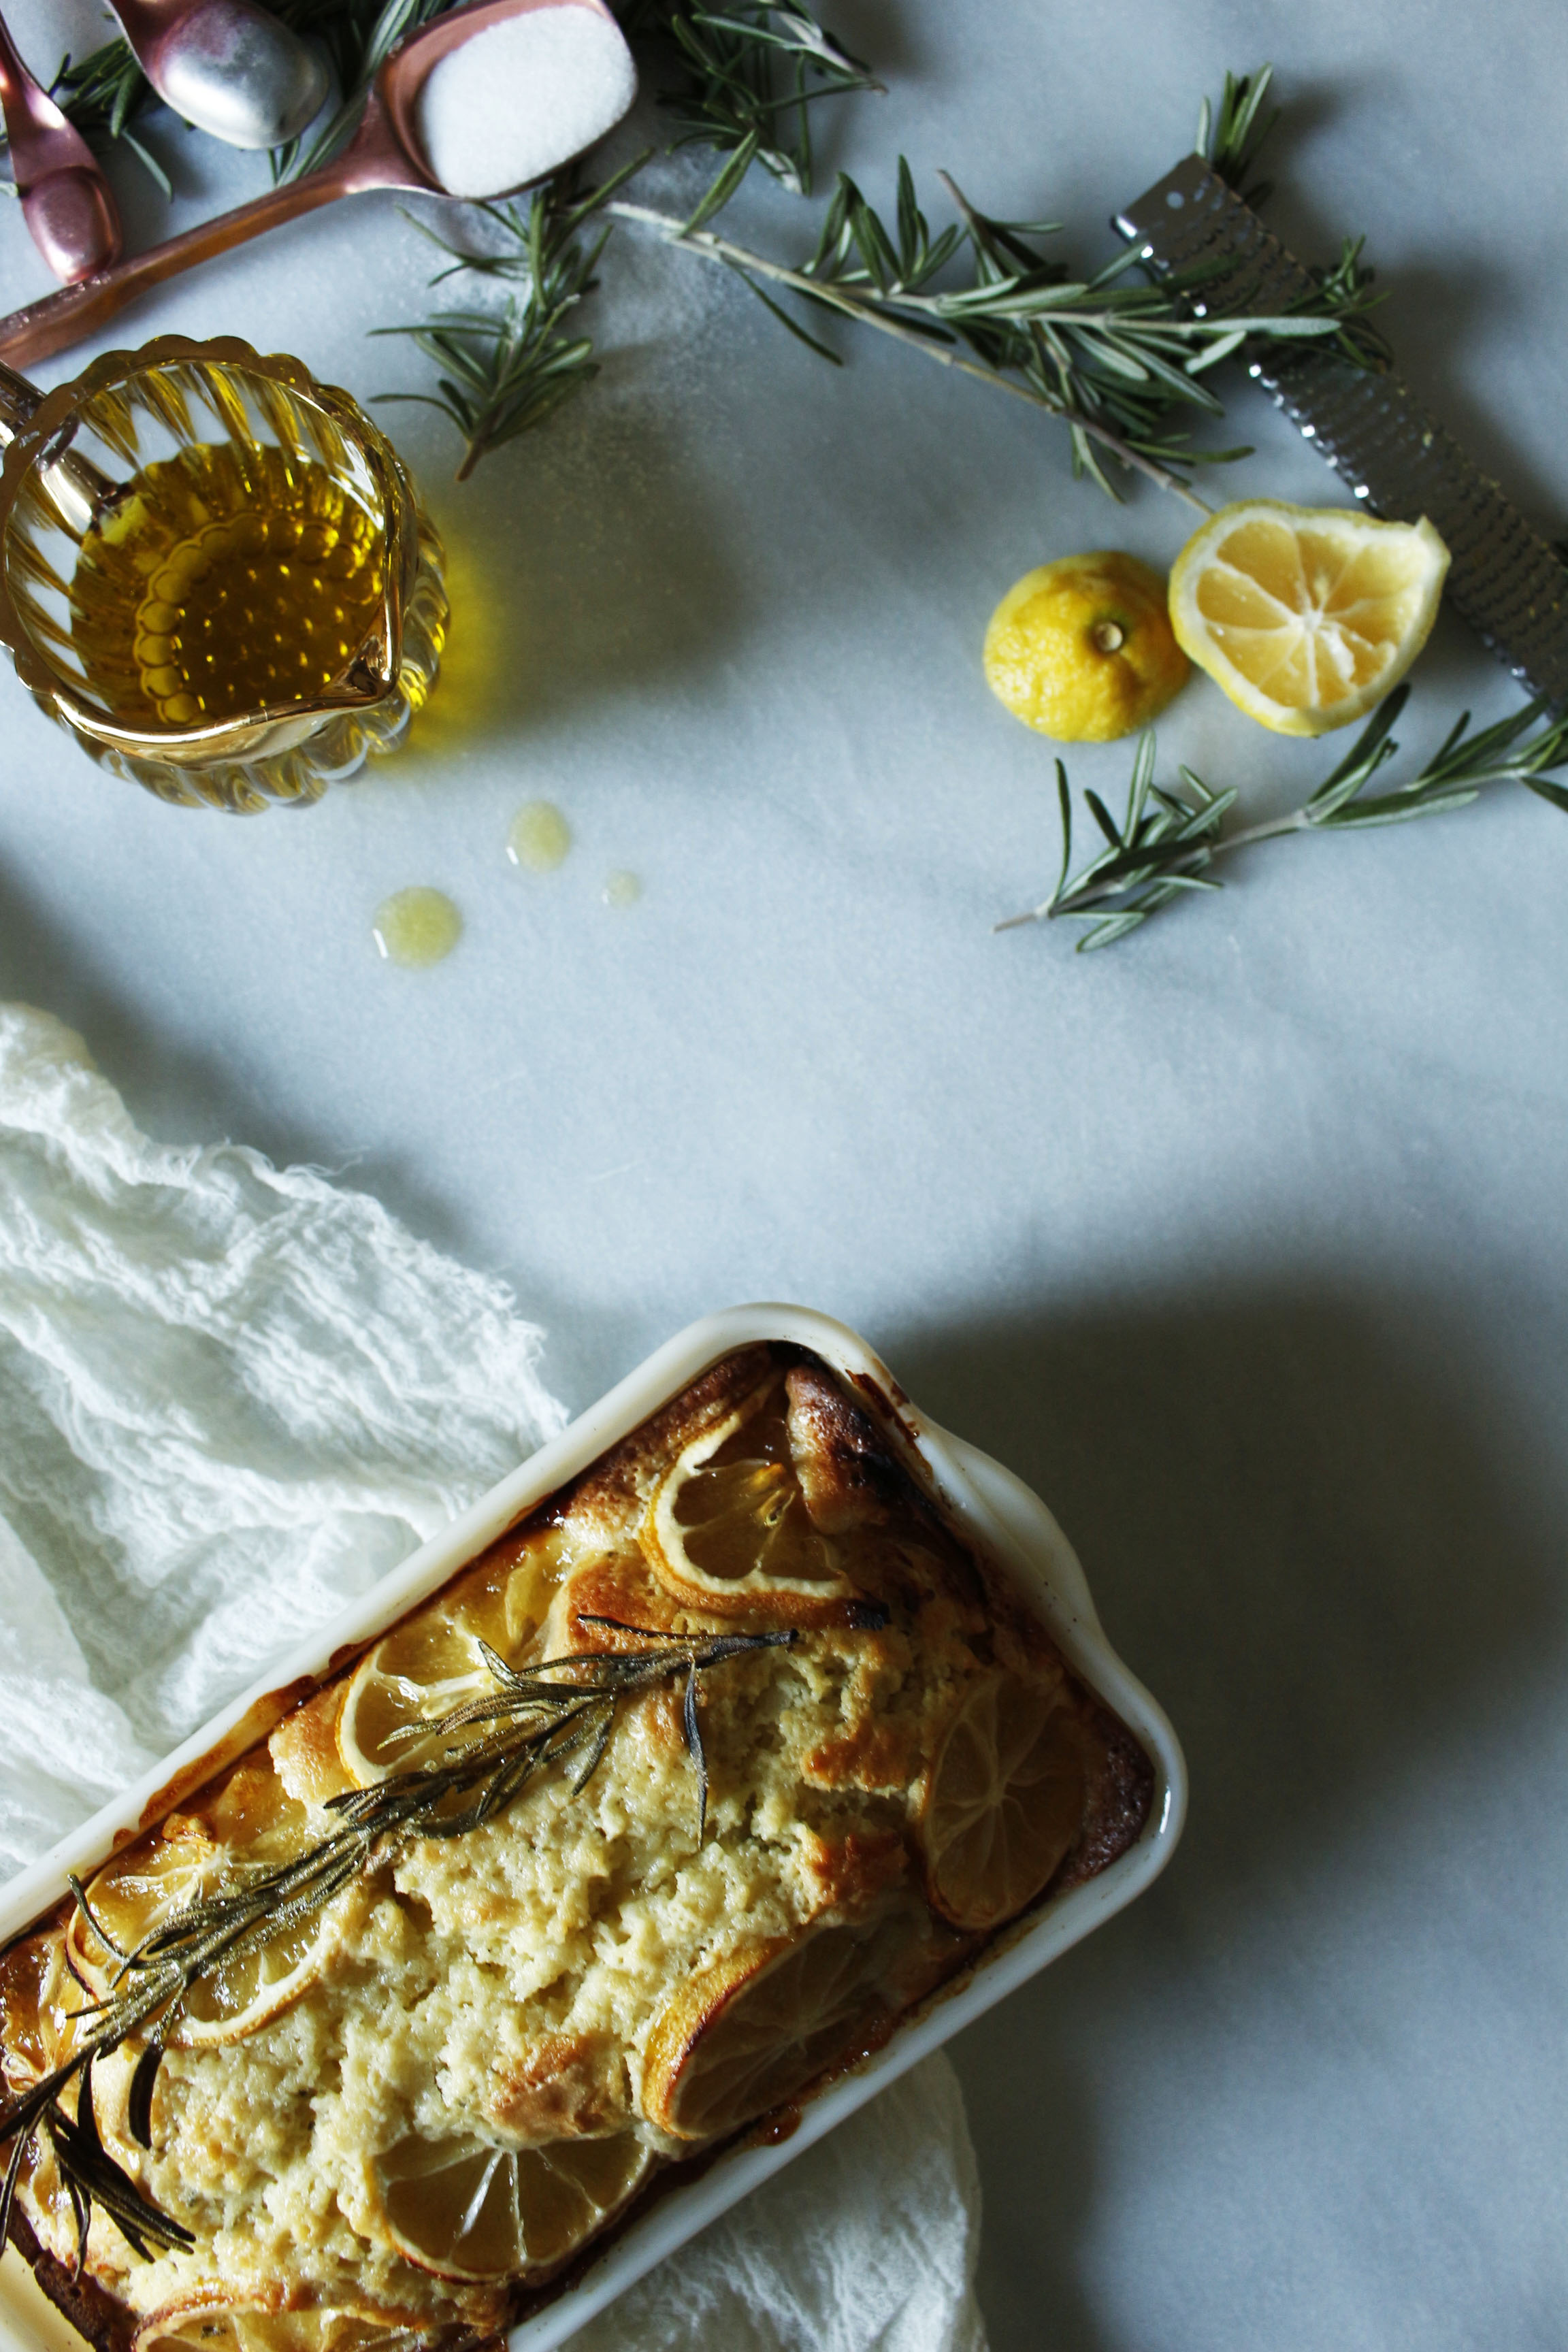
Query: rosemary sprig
(748, 76)
(1172, 835)
(1230, 135)
(562, 1707)
(91, 2176)
(504, 370)
(1107, 355)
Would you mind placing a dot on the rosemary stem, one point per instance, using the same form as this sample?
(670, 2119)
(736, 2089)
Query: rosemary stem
(868, 313)
(1094, 894)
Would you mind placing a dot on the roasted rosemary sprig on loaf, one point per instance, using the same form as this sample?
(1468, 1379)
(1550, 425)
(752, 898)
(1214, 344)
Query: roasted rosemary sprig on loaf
(1166, 844)
(542, 1715)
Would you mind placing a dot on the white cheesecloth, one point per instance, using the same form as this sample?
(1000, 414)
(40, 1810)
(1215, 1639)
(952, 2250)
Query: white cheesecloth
(232, 1396)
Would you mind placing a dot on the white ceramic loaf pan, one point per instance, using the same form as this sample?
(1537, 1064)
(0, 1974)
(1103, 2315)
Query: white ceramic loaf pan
(987, 1502)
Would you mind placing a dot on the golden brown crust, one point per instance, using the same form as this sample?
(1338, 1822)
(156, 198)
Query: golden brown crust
(816, 1760)
(304, 1747)
(855, 1872)
(101, 2319)
(847, 1475)
(568, 2084)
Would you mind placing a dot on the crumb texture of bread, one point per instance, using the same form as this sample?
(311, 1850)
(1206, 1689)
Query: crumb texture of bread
(492, 1995)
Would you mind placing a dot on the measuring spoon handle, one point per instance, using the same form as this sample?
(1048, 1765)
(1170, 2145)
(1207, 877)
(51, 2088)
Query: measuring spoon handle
(374, 160)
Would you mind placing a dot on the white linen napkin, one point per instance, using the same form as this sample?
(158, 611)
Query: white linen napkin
(232, 1396)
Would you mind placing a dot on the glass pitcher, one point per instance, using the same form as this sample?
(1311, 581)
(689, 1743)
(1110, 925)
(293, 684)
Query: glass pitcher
(214, 571)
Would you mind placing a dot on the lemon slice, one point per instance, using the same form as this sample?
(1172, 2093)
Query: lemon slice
(748, 2030)
(38, 1999)
(728, 1529)
(467, 2210)
(1306, 616)
(434, 1661)
(209, 2322)
(1004, 1801)
(252, 1824)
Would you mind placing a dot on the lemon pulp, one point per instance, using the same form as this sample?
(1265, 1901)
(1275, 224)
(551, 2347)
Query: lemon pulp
(1306, 616)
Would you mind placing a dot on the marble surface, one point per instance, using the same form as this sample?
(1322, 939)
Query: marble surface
(1242, 1242)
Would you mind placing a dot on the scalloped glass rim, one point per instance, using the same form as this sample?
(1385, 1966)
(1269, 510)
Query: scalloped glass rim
(294, 751)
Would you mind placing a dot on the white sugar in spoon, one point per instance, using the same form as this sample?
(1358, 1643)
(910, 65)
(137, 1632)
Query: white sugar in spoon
(496, 96)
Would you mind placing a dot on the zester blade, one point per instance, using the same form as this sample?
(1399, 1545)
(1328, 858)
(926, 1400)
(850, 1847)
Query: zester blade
(1505, 578)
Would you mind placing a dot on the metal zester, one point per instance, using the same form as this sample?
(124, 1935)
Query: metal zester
(1505, 578)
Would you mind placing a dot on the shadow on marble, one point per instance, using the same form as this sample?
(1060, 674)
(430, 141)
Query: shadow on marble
(606, 571)
(1305, 1525)
(1437, 309)
(1440, 315)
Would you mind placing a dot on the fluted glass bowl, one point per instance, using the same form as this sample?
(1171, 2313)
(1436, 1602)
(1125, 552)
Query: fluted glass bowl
(217, 573)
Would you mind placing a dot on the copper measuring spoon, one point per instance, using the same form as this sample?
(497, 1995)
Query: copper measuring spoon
(227, 66)
(385, 153)
(66, 200)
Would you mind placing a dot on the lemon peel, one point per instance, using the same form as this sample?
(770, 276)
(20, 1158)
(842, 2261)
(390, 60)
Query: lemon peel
(1082, 649)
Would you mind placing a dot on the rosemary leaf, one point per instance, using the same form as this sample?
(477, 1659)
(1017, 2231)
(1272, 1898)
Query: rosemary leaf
(103, 92)
(139, 2114)
(692, 1732)
(358, 36)
(100, 95)
(1172, 835)
(1230, 135)
(504, 371)
(745, 76)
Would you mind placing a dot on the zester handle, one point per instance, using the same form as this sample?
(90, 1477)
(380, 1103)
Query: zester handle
(1505, 578)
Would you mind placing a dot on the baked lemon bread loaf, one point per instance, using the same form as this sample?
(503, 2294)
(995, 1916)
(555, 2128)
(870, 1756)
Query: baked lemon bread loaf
(661, 1812)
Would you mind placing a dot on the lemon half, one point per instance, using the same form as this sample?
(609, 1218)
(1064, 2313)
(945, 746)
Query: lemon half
(1082, 649)
(1306, 616)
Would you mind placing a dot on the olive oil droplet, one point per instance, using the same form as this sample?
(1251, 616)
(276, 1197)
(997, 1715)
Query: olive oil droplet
(622, 889)
(540, 837)
(415, 927)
